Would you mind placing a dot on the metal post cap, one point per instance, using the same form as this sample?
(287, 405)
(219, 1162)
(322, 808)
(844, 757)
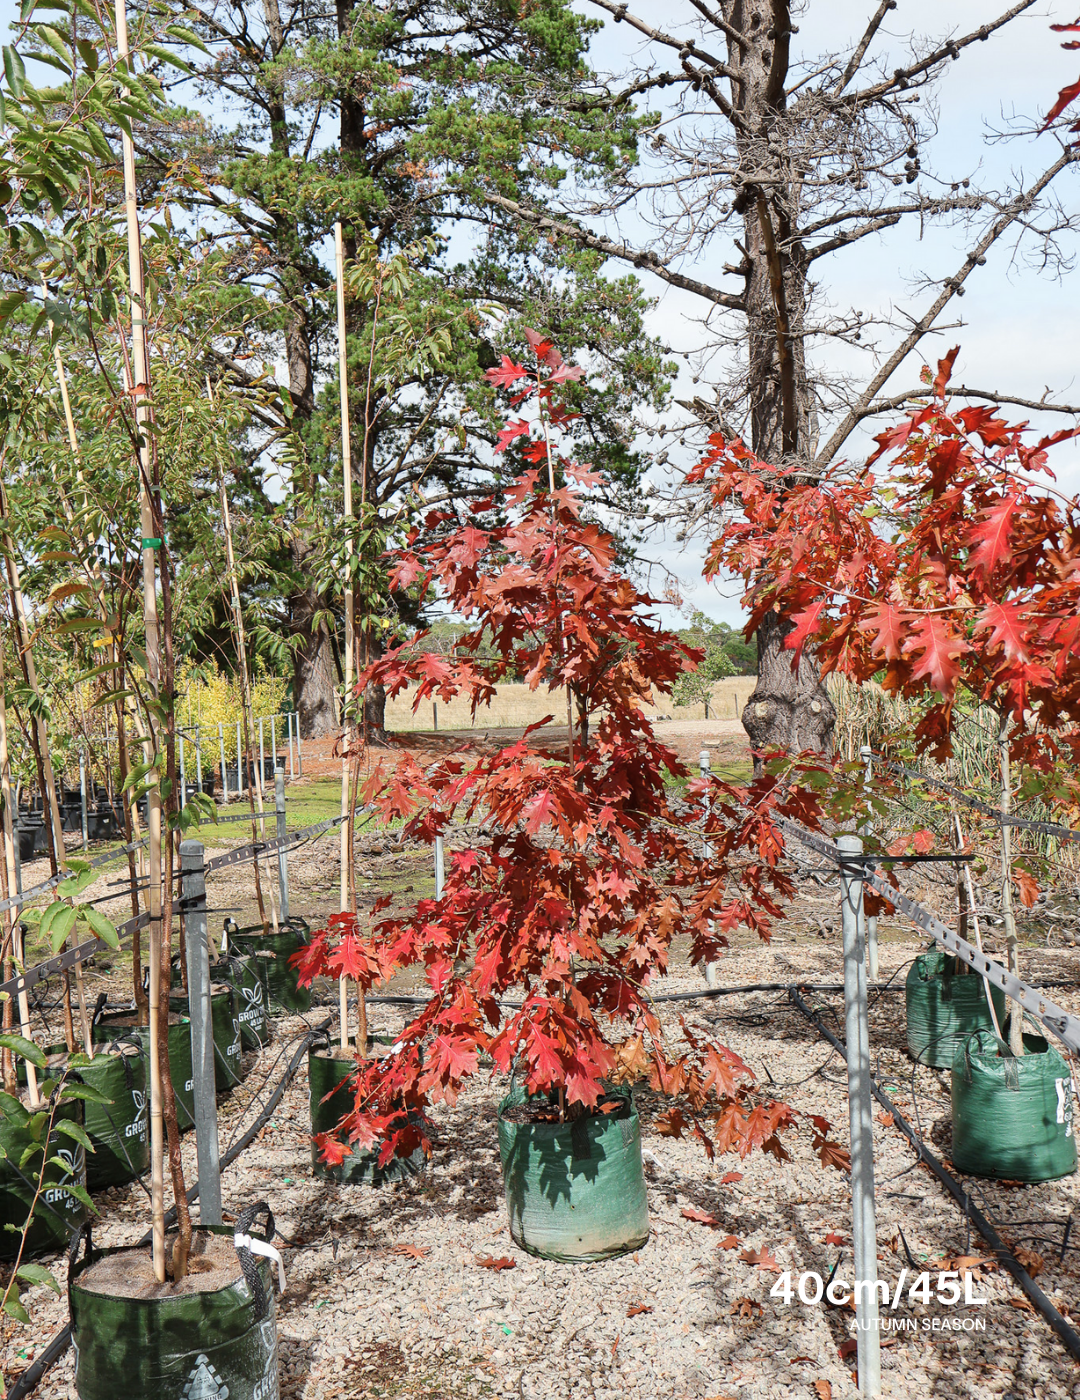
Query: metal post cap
(703, 760)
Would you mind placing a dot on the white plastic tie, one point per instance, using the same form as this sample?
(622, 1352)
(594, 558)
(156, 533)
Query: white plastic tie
(267, 1251)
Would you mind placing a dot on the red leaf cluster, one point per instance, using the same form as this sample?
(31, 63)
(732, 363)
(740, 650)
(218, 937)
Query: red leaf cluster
(588, 871)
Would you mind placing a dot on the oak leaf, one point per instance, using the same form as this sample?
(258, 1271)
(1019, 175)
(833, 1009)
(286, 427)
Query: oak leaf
(636, 1309)
(761, 1259)
(701, 1216)
(487, 1261)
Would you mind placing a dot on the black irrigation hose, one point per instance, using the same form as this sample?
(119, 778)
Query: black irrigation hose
(1004, 1255)
(28, 1380)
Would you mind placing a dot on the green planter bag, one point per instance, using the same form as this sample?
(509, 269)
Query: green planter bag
(249, 983)
(575, 1191)
(225, 1022)
(327, 1076)
(214, 1345)
(282, 985)
(945, 1006)
(58, 1214)
(119, 1023)
(120, 1129)
(1012, 1118)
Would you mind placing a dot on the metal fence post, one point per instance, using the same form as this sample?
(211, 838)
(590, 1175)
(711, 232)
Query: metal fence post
(867, 754)
(82, 801)
(282, 858)
(857, 1035)
(288, 740)
(224, 772)
(262, 751)
(193, 890)
(183, 774)
(440, 870)
(273, 739)
(712, 969)
(240, 775)
(299, 754)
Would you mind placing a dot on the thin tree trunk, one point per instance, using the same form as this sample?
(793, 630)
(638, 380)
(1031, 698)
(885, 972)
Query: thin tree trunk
(1012, 942)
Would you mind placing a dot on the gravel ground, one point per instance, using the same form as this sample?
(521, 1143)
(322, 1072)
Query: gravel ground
(386, 1298)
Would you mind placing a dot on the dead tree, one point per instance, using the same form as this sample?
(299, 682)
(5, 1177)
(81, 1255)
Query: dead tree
(786, 159)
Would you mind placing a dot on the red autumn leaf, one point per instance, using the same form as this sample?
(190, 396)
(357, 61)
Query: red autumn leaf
(487, 1261)
(413, 1251)
(1007, 625)
(729, 1242)
(636, 1309)
(924, 841)
(1028, 889)
(889, 626)
(885, 1119)
(701, 1216)
(760, 1259)
(1068, 94)
(506, 374)
(991, 536)
(833, 1238)
(805, 624)
(729, 1177)
(848, 1348)
(832, 1154)
(944, 371)
(935, 646)
(512, 430)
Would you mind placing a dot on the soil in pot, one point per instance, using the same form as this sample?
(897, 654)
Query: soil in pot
(1012, 1117)
(205, 1338)
(282, 985)
(327, 1075)
(58, 1214)
(225, 1021)
(944, 1007)
(575, 1191)
(125, 1023)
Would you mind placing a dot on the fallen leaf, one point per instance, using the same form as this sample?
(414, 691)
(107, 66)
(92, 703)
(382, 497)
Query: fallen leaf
(1024, 1304)
(1032, 1262)
(729, 1177)
(833, 1238)
(799, 1360)
(615, 1345)
(848, 1348)
(746, 1307)
(971, 1263)
(761, 1259)
(487, 1262)
(701, 1216)
(823, 1388)
(729, 1242)
(833, 1155)
(414, 1251)
(885, 1119)
(637, 1309)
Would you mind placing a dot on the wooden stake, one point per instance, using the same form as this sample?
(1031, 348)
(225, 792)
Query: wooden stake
(13, 931)
(140, 391)
(348, 699)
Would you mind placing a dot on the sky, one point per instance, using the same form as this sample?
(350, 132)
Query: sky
(1019, 328)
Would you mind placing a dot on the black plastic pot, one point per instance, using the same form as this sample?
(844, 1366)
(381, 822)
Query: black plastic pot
(58, 1214)
(224, 1015)
(115, 1024)
(326, 1077)
(282, 985)
(249, 983)
(219, 1345)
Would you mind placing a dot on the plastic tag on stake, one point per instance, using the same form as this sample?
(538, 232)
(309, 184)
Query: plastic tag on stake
(266, 1250)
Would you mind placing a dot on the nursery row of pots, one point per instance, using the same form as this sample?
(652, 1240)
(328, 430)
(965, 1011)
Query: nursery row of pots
(1012, 1116)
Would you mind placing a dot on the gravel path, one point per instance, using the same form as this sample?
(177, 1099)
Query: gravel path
(386, 1298)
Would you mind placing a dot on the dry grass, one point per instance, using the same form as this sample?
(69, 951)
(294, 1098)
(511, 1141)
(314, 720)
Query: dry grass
(517, 705)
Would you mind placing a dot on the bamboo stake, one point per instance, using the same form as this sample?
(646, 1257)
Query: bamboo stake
(140, 391)
(1012, 942)
(346, 708)
(255, 790)
(14, 933)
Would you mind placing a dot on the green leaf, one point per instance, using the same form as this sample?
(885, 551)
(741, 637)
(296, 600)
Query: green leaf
(84, 1092)
(14, 1308)
(73, 1130)
(81, 1195)
(14, 70)
(102, 927)
(68, 889)
(39, 1274)
(26, 1048)
(13, 1109)
(61, 926)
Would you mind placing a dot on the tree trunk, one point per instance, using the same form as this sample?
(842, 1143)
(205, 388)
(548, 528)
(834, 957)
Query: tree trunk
(313, 668)
(789, 709)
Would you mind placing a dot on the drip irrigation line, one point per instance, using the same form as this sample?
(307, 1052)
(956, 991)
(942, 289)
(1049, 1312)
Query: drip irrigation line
(1065, 833)
(1003, 1254)
(1041, 1008)
(25, 1383)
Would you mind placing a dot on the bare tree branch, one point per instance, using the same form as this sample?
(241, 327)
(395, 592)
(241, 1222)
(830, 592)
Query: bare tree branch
(951, 288)
(961, 391)
(855, 61)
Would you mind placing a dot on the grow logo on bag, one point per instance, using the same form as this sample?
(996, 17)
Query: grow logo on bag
(233, 1051)
(1065, 1090)
(255, 1010)
(204, 1383)
(73, 1159)
(137, 1126)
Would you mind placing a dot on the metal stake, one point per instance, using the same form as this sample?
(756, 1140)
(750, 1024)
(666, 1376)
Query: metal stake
(224, 774)
(435, 716)
(867, 754)
(183, 774)
(82, 801)
(262, 750)
(240, 775)
(440, 873)
(282, 859)
(273, 739)
(712, 969)
(299, 754)
(193, 888)
(857, 1035)
(198, 758)
(288, 721)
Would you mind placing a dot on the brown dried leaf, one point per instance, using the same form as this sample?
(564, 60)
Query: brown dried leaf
(885, 1119)
(823, 1388)
(746, 1307)
(1032, 1262)
(615, 1344)
(761, 1259)
(413, 1251)
(848, 1348)
(636, 1309)
(1024, 1304)
(729, 1242)
(833, 1238)
(486, 1261)
(729, 1177)
(701, 1216)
